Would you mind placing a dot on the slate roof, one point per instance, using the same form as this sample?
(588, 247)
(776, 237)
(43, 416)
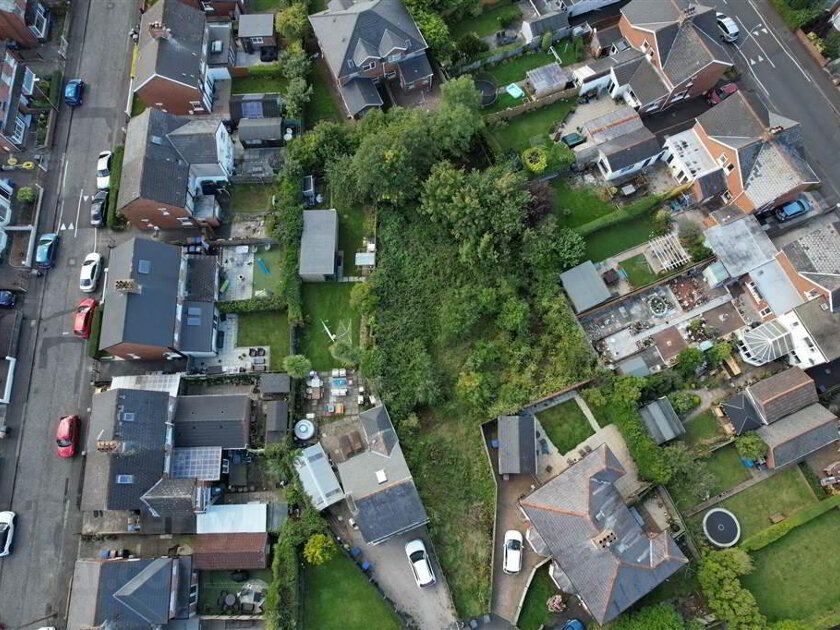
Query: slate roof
(318, 242)
(816, 255)
(581, 506)
(202, 277)
(256, 25)
(822, 325)
(661, 420)
(171, 495)
(517, 445)
(783, 394)
(799, 434)
(741, 413)
(317, 477)
(646, 84)
(275, 383)
(276, 420)
(625, 64)
(379, 430)
(389, 512)
(213, 420)
(177, 57)
(143, 435)
(360, 94)
(268, 105)
(741, 245)
(198, 333)
(195, 140)
(630, 148)
(415, 68)
(148, 316)
(584, 286)
(230, 551)
(378, 24)
(552, 21)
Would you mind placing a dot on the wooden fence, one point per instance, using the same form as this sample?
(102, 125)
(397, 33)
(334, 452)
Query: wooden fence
(506, 53)
(513, 112)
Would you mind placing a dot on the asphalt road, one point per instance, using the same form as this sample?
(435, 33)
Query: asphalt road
(775, 64)
(53, 369)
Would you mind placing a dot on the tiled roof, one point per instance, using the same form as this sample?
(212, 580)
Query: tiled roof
(230, 551)
(799, 434)
(177, 57)
(783, 394)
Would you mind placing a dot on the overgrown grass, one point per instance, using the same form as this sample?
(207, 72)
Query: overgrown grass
(615, 239)
(727, 469)
(265, 328)
(703, 428)
(258, 84)
(578, 205)
(794, 18)
(484, 24)
(250, 197)
(534, 612)
(271, 282)
(322, 105)
(531, 127)
(326, 303)
(793, 577)
(338, 596)
(565, 425)
(503, 101)
(514, 70)
(351, 232)
(638, 271)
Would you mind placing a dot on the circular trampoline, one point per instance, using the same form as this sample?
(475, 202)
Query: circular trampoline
(305, 430)
(721, 527)
(488, 91)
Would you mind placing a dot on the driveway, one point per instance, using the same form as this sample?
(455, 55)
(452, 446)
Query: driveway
(430, 608)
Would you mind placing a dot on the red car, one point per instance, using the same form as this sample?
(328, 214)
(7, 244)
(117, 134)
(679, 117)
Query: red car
(721, 92)
(83, 318)
(67, 436)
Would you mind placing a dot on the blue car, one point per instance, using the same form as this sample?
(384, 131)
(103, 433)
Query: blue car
(46, 250)
(793, 209)
(73, 92)
(573, 624)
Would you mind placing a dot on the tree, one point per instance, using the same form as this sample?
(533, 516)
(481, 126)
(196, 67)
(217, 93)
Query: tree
(750, 446)
(434, 30)
(470, 45)
(718, 353)
(658, 617)
(688, 473)
(541, 203)
(362, 297)
(790, 624)
(662, 221)
(319, 548)
(689, 361)
(295, 63)
(547, 40)
(346, 353)
(297, 95)
(297, 365)
(684, 402)
(550, 249)
(292, 22)
(718, 576)
(26, 194)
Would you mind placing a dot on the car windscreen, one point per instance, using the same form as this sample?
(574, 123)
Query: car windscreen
(417, 556)
(64, 442)
(514, 545)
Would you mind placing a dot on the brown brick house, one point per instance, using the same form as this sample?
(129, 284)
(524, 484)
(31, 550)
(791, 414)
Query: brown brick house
(366, 43)
(682, 56)
(25, 21)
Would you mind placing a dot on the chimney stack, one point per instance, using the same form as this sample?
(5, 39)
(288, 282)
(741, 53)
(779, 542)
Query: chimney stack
(158, 31)
(128, 285)
(108, 446)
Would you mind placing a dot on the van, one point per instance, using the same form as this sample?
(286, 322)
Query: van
(793, 209)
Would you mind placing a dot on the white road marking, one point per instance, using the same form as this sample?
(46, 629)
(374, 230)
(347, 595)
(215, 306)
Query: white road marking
(78, 210)
(752, 72)
(778, 41)
(63, 227)
(760, 59)
(751, 36)
(752, 62)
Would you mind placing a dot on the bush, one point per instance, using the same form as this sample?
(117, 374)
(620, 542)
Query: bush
(684, 402)
(469, 45)
(319, 548)
(282, 601)
(547, 40)
(297, 365)
(55, 87)
(95, 332)
(253, 305)
(777, 531)
(26, 194)
(111, 219)
(268, 70)
(535, 159)
(750, 446)
(508, 16)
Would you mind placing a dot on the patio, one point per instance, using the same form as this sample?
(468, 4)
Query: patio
(237, 267)
(231, 358)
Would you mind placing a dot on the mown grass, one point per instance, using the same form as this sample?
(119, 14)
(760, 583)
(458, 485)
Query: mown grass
(578, 205)
(620, 237)
(703, 427)
(265, 328)
(523, 131)
(565, 425)
(322, 105)
(326, 303)
(638, 271)
(250, 197)
(514, 69)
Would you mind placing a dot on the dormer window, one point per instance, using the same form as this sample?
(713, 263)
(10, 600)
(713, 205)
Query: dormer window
(351, 64)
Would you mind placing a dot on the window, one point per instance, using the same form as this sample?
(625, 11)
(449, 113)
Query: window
(730, 168)
(369, 66)
(723, 159)
(765, 312)
(393, 58)
(20, 130)
(257, 40)
(645, 46)
(124, 480)
(128, 416)
(670, 158)
(144, 266)
(726, 196)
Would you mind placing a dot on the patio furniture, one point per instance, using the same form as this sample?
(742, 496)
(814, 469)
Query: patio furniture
(230, 600)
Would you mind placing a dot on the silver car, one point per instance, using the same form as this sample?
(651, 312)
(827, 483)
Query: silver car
(89, 275)
(7, 532)
(729, 30)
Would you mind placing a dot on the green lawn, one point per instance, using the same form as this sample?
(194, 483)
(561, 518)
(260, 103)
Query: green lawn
(534, 613)
(266, 6)
(137, 106)
(351, 231)
(271, 282)
(727, 469)
(575, 205)
(257, 84)
(617, 238)
(269, 328)
(638, 271)
(251, 197)
(503, 101)
(212, 583)
(514, 70)
(326, 303)
(338, 596)
(531, 128)
(701, 428)
(784, 493)
(793, 576)
(565, 425)
(485, 24)
(322, 105)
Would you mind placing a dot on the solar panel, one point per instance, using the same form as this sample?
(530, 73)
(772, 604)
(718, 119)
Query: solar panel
(193, 321)
(144, 266)
(194, 310)
(252, 109)
(200, 462)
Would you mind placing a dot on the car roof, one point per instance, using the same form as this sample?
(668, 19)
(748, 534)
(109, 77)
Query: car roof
(423, 569)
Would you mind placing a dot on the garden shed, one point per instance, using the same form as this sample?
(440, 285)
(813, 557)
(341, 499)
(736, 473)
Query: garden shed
(584, 286)
(661, 420)
(549, 79)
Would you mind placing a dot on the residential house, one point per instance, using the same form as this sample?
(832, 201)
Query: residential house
(17, 84)
(377, 483)
(172, 167)
(218, 9)
(213, 421)
(584, 286)
(161, 302)
(230, 551)
(318, 245)
(758, 153)
(605, 35)
(133, 594)
(26, 22)
(517, 445)
(176, 46)
(256, 31)
(553, 16)
(683, 57)
(599, 550)
(599, 74)
(365, 43)
(661, 420)
(784, 410)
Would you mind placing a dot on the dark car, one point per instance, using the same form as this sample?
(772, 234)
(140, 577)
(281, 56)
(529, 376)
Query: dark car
(67, 436)
(74, 92)
(98, 208)
(7, 299)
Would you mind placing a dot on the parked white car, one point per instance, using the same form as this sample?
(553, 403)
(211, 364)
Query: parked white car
(513, 552)
(729, 30)
(91, 270)
(7, 532)
(418, 558)
(103, 171)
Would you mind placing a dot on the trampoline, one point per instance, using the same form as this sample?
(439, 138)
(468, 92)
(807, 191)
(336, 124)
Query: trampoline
(721, 527)
(488, 91)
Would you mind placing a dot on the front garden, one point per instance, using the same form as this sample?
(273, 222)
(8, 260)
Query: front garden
(534, 612)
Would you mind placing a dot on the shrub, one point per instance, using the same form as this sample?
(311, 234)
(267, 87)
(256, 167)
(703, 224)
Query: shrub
(547, 40)
(297, 365)
(282, 600)
(469, 45)
(319, 548)
(750, 446)
(111, 219)
(508, 16)
(95, 332)
(535, 159)
(719, 578)
(26, 194)
(777, 531)
(560, 157)
(684, 402)
(55, 87)
(253, 305)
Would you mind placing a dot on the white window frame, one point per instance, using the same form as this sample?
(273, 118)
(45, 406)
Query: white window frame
(258, 40)
(729, 168)
(723, 159)
(726, 196)
(765, 312)
(369, 66)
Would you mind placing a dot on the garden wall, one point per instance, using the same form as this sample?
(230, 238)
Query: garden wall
(513, 112)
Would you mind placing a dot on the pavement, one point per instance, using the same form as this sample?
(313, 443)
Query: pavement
(53, 369)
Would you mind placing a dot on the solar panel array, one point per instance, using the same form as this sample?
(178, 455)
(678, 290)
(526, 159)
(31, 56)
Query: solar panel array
(199, 462)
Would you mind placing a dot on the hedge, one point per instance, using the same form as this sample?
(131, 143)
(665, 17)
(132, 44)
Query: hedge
(267, 70)
(95, 332)
(282, 602)
(777, 531)
(619, 216)
(116, 175)
(794, 18)
(650, 459)
(253, 305)
(55, 87)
